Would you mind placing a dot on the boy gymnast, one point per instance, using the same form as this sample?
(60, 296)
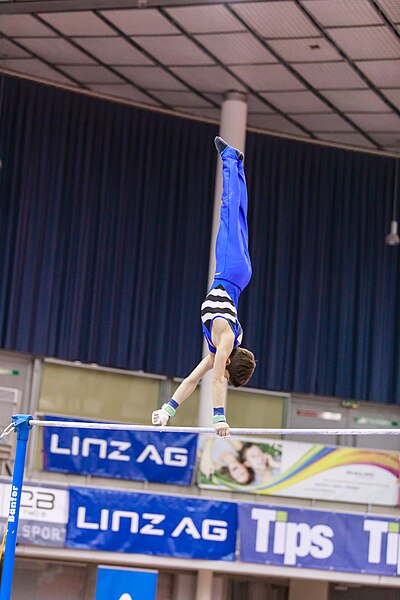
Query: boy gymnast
(220, 324)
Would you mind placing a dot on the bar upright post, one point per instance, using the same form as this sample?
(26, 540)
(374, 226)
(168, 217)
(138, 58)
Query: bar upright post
(22, 427)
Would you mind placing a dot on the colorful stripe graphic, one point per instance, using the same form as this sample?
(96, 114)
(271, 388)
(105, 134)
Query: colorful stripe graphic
(319, 459)
(322, 458)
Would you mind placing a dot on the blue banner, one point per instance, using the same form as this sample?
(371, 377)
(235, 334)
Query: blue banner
(319, 540)
(125, 584)
(119, 521)
(160, 457)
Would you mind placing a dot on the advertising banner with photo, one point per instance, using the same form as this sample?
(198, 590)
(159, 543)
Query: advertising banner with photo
(299, 470)
(43, 514)
(119, 521)
(134, 455)
(315, 539)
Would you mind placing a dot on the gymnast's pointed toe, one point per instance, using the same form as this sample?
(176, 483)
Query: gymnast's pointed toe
(221, 146)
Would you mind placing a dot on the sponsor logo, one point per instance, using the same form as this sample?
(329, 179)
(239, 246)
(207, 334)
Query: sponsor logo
(37, 503)
(149, 524)
(172, 456)
(383, 542)
(37, 499)
(42, 534)
(116, 450)
(13, 504)
(292, 540)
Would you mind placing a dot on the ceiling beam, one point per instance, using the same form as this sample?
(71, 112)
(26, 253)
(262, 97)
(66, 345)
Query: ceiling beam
(35, 6)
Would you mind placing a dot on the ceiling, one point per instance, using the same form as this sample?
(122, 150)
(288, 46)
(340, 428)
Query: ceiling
(319, 69)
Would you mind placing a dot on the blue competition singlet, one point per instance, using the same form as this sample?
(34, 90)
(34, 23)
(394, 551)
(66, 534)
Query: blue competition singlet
(218, 303)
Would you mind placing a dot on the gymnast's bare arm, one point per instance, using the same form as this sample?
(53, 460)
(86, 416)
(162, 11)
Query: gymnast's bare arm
(223, 340)
(187, 386)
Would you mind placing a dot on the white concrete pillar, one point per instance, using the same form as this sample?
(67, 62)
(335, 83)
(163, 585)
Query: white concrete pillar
(233, 130)
(306, 588)
(204, 585)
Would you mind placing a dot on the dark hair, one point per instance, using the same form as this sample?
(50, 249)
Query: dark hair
(241, 367)
(225, 474)
(242, 451)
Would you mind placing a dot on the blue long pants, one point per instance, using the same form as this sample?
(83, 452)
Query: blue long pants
(233, 262)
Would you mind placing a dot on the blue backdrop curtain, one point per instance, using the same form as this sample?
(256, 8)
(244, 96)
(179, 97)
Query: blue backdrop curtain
(322, 309)
(105, 230)
(105, 227)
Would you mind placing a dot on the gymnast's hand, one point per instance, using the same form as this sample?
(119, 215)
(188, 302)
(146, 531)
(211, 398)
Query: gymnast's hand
(222, 429)
(159, 417)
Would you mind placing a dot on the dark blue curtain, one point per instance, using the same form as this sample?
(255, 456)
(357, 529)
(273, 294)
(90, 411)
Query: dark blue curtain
(105, 226)
(105, 217)
(322, 309)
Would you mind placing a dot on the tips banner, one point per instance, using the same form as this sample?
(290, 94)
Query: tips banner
(319, 540)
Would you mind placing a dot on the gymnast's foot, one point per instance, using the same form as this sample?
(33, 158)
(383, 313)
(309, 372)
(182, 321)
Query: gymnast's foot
(220, 145)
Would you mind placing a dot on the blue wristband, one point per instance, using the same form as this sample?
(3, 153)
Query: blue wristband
(174, 404)
(218, 411)
(170, 408)
(219, 415)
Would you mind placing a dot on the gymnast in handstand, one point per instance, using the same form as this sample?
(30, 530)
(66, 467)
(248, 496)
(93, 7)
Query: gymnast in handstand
(221, 327)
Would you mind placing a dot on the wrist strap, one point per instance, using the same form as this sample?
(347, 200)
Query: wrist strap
(170, 408)
(218, 419)
(171, 412)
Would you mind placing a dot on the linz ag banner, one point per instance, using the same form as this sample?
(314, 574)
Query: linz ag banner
(140, 523)
(134, 455)
(314, 539)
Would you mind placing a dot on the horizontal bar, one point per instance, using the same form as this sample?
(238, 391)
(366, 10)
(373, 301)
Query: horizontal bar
(233, 430)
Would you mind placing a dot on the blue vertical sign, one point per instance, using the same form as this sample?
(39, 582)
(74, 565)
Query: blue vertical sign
(125, 584)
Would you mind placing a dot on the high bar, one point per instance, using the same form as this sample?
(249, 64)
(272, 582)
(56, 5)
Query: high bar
(233, 430)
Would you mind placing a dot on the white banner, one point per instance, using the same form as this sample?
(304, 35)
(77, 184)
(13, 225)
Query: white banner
(299, 470)
(38, 503)
(43, 514)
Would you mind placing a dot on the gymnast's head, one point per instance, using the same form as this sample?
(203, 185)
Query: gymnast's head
(240, 366)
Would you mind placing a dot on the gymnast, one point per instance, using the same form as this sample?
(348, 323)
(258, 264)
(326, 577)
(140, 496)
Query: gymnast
(220, 324)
